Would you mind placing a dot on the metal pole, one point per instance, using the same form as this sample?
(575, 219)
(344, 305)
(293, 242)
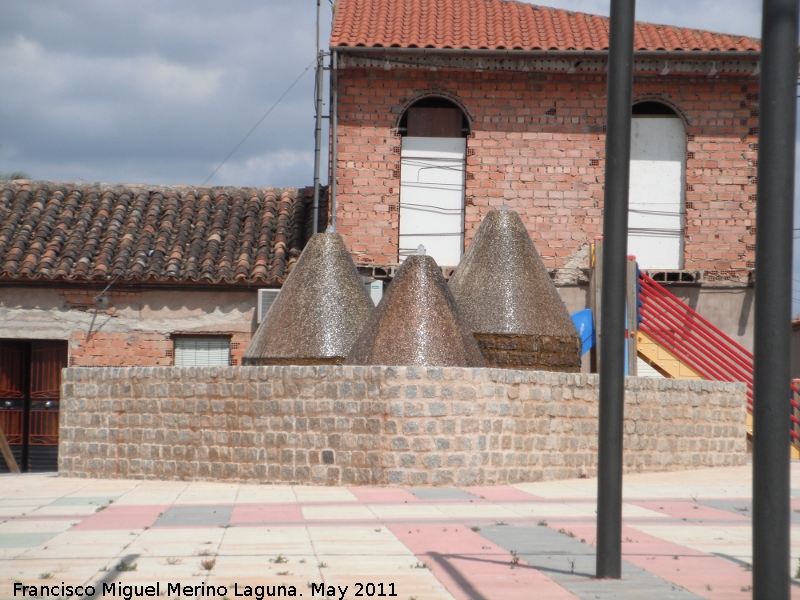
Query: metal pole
(615, 242)
(633, 325)
(774, 217)
(334, 134)
(318, 130)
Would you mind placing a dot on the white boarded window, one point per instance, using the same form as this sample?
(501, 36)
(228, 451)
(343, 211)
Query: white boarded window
(201, 351)
(657, 183)
(432, 179)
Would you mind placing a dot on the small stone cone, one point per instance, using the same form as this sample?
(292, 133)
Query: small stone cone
(417, 323)
(509, 302)
(318, 314)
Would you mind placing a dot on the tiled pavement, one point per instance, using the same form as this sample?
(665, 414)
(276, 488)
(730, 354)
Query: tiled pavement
(686, 535)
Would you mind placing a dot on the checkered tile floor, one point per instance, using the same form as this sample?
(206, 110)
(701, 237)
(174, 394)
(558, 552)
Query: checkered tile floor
(686, 535)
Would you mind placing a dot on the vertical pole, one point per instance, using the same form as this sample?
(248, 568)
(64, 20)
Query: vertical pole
(318, 128)
(334, 79)
(774, 217)
(633, 325)
(615, 242)
(597, 300)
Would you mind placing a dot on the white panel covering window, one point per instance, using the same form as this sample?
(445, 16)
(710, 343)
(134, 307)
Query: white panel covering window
(195, 351)
(657, 184)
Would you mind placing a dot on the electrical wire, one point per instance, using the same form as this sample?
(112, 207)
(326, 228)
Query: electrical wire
(266, 114)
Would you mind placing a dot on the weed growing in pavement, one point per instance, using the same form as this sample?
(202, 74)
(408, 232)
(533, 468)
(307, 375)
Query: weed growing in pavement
(571, 565)
(174, 560)
(746, 588)
(283, 572)
(302, 560)
(567, 533)
(475, 528)
(708, 587)
(514, 558)
(208, 563)
(46, 575)
(204, 552)
(279, 560)
(500, 523)
(797, 571)
(126, 566)
(542, 523)
(420, 565)
(323, 565)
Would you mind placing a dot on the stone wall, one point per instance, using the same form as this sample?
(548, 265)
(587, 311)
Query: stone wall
(381, 425)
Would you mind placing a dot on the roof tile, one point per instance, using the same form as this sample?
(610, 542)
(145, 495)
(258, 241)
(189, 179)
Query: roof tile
(97, 232)
(503, 24)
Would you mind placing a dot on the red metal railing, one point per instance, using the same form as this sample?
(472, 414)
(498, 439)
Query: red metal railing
(701, 345)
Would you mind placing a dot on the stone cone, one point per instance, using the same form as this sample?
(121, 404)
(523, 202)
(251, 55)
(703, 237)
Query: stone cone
(319, 312)
(507, 299)
(417, 323)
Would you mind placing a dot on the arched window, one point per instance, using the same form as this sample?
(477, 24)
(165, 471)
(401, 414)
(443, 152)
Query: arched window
(432, 179)
(657, 183)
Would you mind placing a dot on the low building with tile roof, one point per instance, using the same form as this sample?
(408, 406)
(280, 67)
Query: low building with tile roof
(130, 275)
(446, 109)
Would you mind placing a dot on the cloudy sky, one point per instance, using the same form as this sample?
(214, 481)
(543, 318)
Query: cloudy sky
(161, 91)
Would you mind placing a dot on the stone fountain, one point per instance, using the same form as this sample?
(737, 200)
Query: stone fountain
(318, 314)
(417, 323)
(508, 301)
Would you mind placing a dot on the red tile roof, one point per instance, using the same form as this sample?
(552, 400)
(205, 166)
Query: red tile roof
(501, 24)
(55, 231)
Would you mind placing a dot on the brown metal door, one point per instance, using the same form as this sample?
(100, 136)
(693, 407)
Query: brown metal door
(13, 366)
(47, 360)
(30, 382)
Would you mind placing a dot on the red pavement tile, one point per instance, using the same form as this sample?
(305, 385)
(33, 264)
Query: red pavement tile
(383, 495)
(468, 565)
(690, 510)
(122, 517)
(501, 493)
(703, 574)
(267, 513)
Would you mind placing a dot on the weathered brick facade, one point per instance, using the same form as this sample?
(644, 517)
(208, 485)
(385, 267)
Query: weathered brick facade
(537, 144)
(381, 425)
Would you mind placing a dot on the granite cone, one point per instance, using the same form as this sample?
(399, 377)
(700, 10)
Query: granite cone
(507, 299)
(417, 323)
(319, 312)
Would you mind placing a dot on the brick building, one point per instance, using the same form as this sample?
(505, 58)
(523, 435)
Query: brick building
(98, 275)
(493, 102)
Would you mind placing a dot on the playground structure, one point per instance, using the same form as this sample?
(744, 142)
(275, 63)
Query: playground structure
(679, 343)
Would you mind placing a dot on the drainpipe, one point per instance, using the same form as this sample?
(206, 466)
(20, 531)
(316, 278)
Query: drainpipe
(318, 129)
(334, 135)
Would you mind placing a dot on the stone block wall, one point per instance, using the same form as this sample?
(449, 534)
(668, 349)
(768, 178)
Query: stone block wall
(341, 425)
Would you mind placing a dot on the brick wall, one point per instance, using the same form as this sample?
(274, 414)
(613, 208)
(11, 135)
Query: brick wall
(135, 349)
(381, 425)
(537, 145)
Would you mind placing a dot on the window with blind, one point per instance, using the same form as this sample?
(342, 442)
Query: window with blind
(197, 351)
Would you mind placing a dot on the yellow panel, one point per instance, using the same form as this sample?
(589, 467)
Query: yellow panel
(662, 359)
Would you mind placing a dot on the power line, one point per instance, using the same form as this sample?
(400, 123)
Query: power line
(266, 114)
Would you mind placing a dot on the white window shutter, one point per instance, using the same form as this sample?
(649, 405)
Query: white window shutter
(196, 351)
